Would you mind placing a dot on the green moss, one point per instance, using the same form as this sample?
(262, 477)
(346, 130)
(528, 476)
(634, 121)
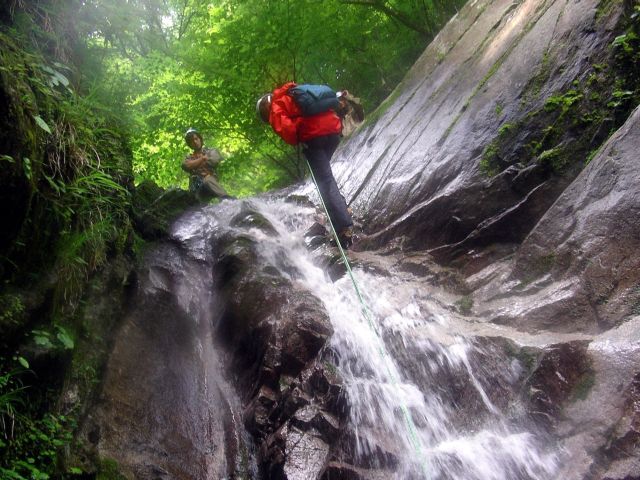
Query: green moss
(465, 305)
(556, 159)
(539, 267)
(583, 386)
(542, 76)
(605, 7)
(331, 368)
(374, 116)
(546, 263)
(489, 160)
(504, 129)
(109, 470)
(527, 356)
(572, 124)
(139, 245)
(592, 154)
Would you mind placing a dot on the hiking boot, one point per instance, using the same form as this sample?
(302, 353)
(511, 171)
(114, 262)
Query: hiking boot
(346, 238)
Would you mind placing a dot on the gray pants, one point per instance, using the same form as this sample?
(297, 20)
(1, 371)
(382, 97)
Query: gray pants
(319, 151)
(208, 187)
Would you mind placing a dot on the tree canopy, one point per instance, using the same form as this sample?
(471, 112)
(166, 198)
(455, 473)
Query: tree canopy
(174, 64)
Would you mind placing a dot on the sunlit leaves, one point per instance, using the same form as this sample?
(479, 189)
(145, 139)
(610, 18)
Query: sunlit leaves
(218, 56)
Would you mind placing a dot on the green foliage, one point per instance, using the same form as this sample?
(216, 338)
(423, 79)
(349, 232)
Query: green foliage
(555, 158)
(218, 57)
(65, 154)
(60, 338)
(11, 309)
(29, 441)
(563, 102)
(10, 400)
(504, 129)
(75, 168)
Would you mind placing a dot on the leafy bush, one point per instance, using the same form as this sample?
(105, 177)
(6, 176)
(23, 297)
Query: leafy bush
(29, 441)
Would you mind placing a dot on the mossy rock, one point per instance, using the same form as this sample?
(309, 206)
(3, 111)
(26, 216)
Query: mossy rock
(249, 218)
(154, 209)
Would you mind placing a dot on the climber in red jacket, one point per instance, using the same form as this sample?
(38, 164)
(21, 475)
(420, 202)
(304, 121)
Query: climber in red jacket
(319, 135)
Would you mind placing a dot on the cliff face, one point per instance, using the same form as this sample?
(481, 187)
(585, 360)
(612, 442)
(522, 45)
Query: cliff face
(492, 123)
(479, 155)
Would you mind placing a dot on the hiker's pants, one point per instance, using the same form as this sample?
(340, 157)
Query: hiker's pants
(319, 151)
(207, 187)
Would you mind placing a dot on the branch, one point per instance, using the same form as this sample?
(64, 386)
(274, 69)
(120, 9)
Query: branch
(382, 6)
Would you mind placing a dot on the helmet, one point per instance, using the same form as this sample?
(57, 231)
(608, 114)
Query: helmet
(190, 132)
(263, 106)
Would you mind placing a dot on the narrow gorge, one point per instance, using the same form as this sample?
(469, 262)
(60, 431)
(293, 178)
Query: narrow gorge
(489, 328)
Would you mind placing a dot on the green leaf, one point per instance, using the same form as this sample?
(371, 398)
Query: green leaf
(26, 166)
(42, 341)
(61, 78)
(65, 338)
(23, 362)
(42, 124)
(61, 65)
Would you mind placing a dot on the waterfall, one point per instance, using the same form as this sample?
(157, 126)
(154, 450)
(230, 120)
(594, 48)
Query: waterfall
(400, 363)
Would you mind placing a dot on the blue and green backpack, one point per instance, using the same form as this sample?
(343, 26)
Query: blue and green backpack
(314, 99)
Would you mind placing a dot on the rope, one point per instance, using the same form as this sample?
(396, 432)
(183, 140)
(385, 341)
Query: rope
(411, 426)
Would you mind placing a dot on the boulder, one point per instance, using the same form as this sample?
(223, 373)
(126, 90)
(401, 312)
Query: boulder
(154, 208)
(574, 241)
(488, 128)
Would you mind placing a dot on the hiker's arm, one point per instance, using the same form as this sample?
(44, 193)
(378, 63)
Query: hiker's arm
(193, 161)
(283, 124)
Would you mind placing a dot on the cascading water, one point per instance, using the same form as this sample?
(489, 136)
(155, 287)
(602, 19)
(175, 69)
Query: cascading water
(397, 365)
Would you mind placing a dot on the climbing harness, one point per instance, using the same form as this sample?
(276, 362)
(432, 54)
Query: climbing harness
(411, 426)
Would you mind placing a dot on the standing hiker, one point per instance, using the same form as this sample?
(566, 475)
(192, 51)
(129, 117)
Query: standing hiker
(201, 167)
(317, 127)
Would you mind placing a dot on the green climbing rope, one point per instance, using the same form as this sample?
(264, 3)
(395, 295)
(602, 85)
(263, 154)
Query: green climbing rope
(411, 426)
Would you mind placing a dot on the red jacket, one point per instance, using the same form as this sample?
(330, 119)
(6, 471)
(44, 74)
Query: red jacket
(288, 122)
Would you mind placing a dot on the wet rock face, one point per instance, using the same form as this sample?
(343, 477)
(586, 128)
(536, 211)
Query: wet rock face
(590, 236)
(275, 331)
(578, 270)
(563, 373)
(269, 323)
(470, 151)
(154, 209)
(162, 376)
(623, 452)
